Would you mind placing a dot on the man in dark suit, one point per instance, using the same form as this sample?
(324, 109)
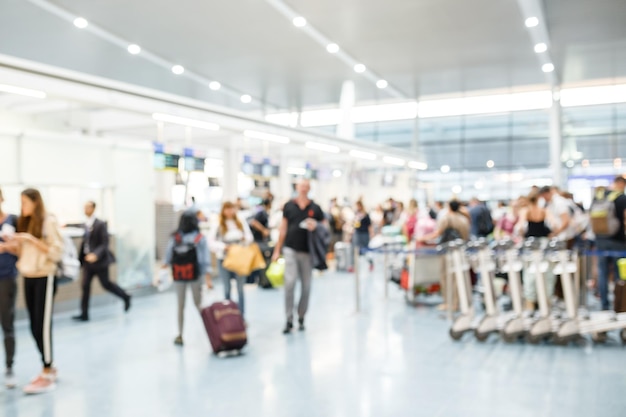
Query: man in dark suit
(95, 257)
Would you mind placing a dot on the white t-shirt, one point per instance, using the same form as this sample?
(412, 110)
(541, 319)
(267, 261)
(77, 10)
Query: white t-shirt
(555, 209)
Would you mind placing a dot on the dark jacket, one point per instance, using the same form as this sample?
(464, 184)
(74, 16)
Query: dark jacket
(319, 239)
(98, 244)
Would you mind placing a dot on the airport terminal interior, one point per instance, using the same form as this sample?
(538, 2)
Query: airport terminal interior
(313, 208)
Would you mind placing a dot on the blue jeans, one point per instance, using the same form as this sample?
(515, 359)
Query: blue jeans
(227, 276)
(603, 267)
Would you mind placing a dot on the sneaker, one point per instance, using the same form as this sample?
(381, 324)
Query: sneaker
(80, 317)
(9, 379)
(178, 341)
(288, 327)
(301, 324)
(43, 383)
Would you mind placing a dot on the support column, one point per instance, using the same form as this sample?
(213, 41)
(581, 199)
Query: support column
(345, 129)
(556, 140)
(230, 183)
(284, 190)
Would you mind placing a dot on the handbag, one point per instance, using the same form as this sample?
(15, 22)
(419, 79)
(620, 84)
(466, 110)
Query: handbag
(275, 273)
(242, 260)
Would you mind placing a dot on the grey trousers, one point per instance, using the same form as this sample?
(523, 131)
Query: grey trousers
(181, 292)
(298, 265)
(8, 295)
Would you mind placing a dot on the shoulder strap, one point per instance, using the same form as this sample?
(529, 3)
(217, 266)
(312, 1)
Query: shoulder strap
(178, 238)
(197, 239)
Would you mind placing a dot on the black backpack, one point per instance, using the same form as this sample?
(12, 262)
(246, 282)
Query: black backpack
(185, 259)
(484, 222)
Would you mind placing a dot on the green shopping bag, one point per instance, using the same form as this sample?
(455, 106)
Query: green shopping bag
(275, 273)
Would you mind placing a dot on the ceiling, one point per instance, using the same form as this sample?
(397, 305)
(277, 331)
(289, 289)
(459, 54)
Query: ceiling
(422, 47)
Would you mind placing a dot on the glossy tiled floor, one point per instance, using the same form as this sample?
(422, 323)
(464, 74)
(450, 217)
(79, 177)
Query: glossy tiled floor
(389, 360)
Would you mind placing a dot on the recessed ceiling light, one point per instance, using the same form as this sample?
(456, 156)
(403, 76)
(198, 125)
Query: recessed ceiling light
(27, 92)
(253, 134)
(531, 22)
(183, 121)
(322, 147)
(382, 84)
(359, 68)
(363, 155)
(178, 69)
(134, 49)
(617, 163)
(246, 99)
(214, 85)
(585, 163)
(336, 173)
(490, 164)
(81, 23)
(445, 169)
(422, 166)
(541, 47)
(394, 161)
(457, 189)
(299, 21)
(332, 48)
(570, 164)
(547, 68)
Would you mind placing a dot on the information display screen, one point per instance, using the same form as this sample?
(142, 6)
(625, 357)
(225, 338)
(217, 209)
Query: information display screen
(166, 161)
(194, 164)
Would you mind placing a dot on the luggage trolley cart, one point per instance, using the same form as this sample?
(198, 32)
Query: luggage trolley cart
(544, 323)
(424, 270)
(595, 324)
(458, 272)
(510, 324)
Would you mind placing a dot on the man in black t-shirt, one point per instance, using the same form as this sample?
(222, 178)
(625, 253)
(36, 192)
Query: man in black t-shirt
(300, 216)
(616, 242)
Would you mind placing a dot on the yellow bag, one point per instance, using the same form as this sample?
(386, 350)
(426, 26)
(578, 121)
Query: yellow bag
(242, 260)
(275, 273)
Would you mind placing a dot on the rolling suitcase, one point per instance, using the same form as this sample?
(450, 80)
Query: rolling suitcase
(225, 326)
(620, 296)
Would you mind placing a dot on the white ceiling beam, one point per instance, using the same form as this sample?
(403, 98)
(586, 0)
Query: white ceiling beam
(539, 34)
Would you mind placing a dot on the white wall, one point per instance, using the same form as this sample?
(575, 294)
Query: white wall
(71, 170)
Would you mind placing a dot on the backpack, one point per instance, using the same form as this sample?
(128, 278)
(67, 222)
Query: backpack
(604, 221)
(185, 259)
(68, 268)
(484, 222)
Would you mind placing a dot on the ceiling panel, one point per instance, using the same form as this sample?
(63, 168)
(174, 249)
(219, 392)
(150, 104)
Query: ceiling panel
(422, 47)
(588, 38)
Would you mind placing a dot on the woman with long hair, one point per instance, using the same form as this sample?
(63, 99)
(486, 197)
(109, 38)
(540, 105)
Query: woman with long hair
(188, 237)
(230, 230)
(532, 223)
(40, 247)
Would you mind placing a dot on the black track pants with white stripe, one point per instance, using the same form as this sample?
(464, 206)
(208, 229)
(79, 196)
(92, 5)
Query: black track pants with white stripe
(39, 294)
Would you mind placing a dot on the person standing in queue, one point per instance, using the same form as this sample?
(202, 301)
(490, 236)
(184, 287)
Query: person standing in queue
(8, 291)
(39, 248)
(95, 257)
(300, 216)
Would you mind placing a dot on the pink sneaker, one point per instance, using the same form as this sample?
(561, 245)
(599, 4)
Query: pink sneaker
(43, 383)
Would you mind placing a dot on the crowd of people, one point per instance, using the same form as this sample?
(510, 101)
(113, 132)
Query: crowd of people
(31, 245)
